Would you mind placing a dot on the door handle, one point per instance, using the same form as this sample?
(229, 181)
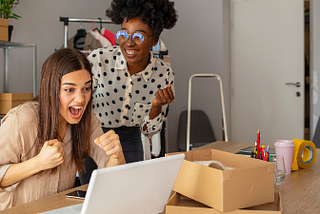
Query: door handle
(296, 84)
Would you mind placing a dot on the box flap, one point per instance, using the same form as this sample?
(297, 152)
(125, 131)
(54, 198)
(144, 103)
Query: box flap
(203, 184)
(174, 199)
(179, 204)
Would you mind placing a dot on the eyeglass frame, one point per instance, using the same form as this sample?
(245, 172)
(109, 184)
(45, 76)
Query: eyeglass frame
(132, 36)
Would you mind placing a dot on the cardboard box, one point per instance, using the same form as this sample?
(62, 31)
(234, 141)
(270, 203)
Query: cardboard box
(250, 183)
(10, 100)
(179, 204)
(4, 33)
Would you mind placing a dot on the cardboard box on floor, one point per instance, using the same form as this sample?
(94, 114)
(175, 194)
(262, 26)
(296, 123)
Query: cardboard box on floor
(179, 204)
(10, 100)
(250, 183)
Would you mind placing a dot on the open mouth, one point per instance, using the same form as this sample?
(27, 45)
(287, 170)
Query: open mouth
(132, 52)
(75, 111)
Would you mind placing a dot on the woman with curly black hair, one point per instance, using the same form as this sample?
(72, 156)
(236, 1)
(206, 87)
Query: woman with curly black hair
(134, 87)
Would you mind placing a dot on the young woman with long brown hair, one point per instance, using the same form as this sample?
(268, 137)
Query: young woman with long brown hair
(45, 141)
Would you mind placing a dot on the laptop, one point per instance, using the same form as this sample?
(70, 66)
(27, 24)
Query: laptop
(136, 188)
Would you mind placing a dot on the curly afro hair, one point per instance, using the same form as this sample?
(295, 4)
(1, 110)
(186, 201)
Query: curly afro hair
(157, 14)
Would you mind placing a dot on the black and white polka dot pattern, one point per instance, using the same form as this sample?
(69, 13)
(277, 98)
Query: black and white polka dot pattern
(121, 99)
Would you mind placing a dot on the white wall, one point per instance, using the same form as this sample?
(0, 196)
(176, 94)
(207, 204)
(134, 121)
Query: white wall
(40, 25)
(199, 43)
(315, 65)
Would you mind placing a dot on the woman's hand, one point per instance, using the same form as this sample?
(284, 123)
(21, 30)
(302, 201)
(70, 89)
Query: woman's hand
(163, 96)
(51, 155)
(110, 143)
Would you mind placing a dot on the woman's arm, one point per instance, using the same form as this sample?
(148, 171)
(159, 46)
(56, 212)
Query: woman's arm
(162, 97)
(20, 171)
(116, 161)
(50, 156)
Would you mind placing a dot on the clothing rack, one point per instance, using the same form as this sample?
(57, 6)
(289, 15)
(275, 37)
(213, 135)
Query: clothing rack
(66, 21)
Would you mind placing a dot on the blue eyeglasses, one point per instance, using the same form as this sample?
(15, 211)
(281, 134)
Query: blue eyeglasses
(137, 38)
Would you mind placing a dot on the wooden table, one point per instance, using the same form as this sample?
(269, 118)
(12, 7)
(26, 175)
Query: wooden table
(300, 191)
(47, 203)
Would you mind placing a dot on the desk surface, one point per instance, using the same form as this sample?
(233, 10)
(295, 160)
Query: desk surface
(299, 190)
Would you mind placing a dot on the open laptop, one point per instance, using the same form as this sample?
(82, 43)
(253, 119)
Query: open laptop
(141, 187)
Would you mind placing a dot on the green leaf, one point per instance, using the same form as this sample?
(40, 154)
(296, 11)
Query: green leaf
(6, 7)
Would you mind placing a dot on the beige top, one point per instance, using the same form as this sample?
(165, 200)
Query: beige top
(18, 133)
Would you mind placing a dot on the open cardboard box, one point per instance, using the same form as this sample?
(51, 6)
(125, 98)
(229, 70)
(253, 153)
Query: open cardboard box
(179, 204)
(249, 183)
(10, 100)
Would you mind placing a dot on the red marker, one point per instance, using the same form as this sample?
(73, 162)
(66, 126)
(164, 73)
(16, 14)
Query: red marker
(258, 143)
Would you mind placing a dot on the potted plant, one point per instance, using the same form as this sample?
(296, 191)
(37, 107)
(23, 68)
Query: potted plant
(6, 13)
(6, 7)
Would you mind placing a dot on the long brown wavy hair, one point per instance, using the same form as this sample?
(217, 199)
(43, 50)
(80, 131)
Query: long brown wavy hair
(60, 63)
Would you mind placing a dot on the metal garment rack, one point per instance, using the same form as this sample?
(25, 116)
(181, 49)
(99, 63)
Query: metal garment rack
(9, 45)
(66, 21)
(224, 125)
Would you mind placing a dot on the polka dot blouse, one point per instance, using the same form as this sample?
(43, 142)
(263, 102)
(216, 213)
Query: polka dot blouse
(123, 100)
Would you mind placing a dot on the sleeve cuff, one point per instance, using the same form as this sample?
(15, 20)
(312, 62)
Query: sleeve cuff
(103, 162)
(153, 125)
(3, 171)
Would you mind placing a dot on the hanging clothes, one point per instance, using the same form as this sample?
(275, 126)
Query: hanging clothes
(79, 39)
(90, 42)
(104, 41)
(109, 35)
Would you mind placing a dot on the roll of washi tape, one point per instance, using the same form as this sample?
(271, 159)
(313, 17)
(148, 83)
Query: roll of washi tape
(304, 154)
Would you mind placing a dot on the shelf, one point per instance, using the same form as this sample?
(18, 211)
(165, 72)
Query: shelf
(15, 45)
(9, 45)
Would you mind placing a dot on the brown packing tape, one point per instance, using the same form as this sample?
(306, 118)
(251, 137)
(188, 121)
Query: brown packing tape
(304, 154)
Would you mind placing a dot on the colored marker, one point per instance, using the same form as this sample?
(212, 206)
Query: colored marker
(258, 142)
(264, 157)
(254, 152)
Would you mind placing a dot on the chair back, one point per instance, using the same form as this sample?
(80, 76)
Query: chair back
(201, 132)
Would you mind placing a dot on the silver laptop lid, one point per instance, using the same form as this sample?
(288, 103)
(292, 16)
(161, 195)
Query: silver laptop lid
(135, 188)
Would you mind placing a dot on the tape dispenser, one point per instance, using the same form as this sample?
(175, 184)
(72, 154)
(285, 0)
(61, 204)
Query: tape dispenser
(304, 154)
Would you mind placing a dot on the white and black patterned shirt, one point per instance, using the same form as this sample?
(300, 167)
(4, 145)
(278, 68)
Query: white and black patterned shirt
(124, 100)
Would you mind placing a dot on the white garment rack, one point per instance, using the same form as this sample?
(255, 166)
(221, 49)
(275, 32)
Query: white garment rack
(66, 21)
(224, 124)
